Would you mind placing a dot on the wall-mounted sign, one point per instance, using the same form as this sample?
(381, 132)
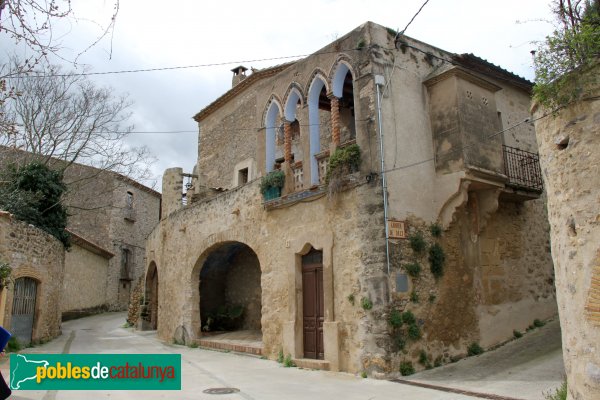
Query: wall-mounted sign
(397, 229)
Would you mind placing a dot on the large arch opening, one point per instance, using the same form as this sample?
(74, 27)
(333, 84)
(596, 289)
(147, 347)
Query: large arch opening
(272, 141)
(343, 89)
(319, 117)
(230, 290)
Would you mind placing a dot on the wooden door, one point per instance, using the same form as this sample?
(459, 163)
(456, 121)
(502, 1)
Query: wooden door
(313, 310)
(23, 309)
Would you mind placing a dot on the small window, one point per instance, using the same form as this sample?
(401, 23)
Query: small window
(129, 200)
(242, 176)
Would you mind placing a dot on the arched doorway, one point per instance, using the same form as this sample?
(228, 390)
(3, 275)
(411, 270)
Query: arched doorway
(230, 290)
(150, 313)
(23, 309)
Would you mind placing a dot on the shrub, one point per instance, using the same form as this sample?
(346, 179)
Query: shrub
(344, 160)
(408, 317)
(517, 334)
(395, 318)
(272, 179)
(13, 345)
(474, 349)
(417, 243)
(366, 303)
(538, 324)
(413, 269)
(363, 374)
(280, 356)
(400, 341)
(435, 229)
(414, 332)
(406, 368)
(436, 260)
(423, 357)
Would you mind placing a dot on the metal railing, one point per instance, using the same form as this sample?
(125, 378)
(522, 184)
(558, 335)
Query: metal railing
(522, 169)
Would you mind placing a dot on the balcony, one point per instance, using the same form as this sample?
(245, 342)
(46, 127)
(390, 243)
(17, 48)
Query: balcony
(522, 169)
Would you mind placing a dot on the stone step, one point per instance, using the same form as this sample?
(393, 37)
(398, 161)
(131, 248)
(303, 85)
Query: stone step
(309, 363)
(240, 348)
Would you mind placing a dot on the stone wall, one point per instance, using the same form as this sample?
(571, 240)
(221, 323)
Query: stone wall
(84, 284)
(569, 141)
(35, 254)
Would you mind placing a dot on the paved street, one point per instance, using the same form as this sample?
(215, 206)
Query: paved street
(259, 379)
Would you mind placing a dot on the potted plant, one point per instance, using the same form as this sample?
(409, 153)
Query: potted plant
(271, 184)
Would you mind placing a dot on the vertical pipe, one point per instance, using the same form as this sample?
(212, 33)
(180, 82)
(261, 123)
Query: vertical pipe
(378, 83)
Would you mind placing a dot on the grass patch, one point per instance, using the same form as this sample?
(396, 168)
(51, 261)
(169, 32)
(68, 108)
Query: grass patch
(13, 345)
(363, 374)
(414, 332)
(417, 242)
(288, 362)
(395, 318)
(351, 298)
(414, 297)
(366, 303)
(560, 393)
(517, 334)
(280, 356)
(538, 323)
(193, 345)
(406, 368)
(408, 317)
(474, 349)
(435, 229)
(413, 269)
(437, 258)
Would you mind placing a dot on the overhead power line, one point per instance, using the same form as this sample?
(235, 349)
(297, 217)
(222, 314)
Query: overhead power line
(412, 19)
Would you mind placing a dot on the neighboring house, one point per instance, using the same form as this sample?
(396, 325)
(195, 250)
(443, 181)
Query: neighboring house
(311, 267)
(110, 217)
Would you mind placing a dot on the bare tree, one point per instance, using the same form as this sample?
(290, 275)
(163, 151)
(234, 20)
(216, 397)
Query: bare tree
(31, 22)
(64, 116)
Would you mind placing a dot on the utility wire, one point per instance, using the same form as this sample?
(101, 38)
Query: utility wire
(412, 19)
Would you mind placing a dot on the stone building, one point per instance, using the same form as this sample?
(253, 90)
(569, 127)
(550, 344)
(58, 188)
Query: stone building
(327, 269)
(110, 216)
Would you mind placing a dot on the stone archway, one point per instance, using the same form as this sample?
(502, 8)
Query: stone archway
(150, 310)
(230, 293)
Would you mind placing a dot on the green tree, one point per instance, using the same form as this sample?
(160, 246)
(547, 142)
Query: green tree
(32, 194)
(563, 58)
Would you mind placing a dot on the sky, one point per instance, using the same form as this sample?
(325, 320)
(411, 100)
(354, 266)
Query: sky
(158, 34)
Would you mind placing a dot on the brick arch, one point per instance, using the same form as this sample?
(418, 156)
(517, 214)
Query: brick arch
(293, 88)
(27, 272)
(321, 74)
(272, 99)
(192, 321)
(345, 62)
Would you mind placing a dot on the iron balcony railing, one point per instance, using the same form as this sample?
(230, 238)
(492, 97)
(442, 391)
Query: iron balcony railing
(522, 169)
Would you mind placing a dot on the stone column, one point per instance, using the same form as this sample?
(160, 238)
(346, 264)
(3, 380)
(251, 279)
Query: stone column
(287, 143)
(335, 121)
(570, 161)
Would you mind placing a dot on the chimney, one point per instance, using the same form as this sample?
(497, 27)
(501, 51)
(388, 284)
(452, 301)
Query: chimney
(239, 74)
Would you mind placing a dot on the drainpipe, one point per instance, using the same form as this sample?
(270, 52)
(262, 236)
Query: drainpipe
(380, 81)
